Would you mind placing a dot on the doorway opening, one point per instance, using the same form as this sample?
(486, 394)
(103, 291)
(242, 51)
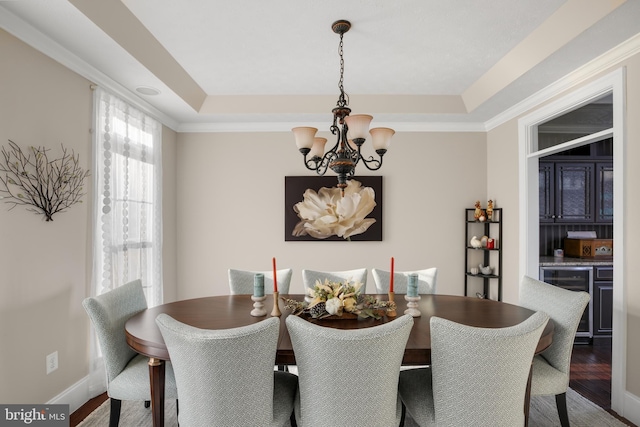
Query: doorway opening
(534, 147)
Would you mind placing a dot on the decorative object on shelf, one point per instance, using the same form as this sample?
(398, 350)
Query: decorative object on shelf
(475, 242)
(45, 186)
(315, 210)
(489, 210)
(480, 295)
(350, 130)
(483, 240)
(474, 270)
(491, 243)
(339, 300)
(486, 270)
(478, 210)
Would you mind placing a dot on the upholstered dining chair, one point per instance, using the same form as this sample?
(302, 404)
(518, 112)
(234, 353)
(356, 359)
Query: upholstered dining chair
(478, 376)
(348, 378)
(550, 374)
(225, 377)
(241, 281)
(426, 280)
(309, 277)
(127, 371)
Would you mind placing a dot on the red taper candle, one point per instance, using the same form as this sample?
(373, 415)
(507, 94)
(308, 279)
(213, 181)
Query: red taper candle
(275, 278)
(391, 280)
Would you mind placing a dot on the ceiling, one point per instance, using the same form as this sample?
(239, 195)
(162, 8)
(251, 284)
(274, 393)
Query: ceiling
(272, 65)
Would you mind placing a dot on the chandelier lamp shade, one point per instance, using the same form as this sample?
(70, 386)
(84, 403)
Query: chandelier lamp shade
(351, 131)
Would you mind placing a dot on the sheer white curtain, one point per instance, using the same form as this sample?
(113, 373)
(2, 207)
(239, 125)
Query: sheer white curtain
(127, 220)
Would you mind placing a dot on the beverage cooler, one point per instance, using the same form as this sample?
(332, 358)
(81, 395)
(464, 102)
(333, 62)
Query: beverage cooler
(574, 279)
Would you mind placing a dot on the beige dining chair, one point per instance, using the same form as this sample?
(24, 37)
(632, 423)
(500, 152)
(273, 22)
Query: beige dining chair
(225, 377)
(551, 368)
(241, 281)
(127, 371)
(348, 378)
(359, 275)
(478, 376)
(426, 280)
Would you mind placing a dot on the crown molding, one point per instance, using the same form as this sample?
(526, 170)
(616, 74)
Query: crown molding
(591, 69)
(25, 32)
(287, 126)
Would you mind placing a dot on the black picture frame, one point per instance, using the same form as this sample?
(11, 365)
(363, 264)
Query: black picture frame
(294, 188)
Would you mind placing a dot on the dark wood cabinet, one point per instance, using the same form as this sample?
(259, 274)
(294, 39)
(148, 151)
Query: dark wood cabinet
(487, 256)
(604, 192)
(603, 302)
(575, 192)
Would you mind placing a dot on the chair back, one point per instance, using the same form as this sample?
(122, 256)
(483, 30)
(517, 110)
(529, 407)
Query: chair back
(241, 281)
(426, 280)
(565, 308)
(108, 313)
(224, 377)
(480, 375)
(309, 277)
(348, 377)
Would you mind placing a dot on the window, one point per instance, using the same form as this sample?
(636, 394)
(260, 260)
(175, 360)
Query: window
(127, 195)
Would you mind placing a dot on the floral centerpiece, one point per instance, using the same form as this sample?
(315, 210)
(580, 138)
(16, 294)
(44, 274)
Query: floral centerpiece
(338, 299)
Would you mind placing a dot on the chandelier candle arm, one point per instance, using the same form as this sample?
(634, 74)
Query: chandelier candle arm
(351, 133)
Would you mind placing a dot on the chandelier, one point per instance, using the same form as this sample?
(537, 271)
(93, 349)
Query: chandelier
(351, 132)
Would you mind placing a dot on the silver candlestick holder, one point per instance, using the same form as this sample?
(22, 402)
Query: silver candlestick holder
(258, 306)
(412, 306)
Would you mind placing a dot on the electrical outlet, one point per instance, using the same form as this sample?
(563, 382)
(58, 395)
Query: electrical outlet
(52, 362)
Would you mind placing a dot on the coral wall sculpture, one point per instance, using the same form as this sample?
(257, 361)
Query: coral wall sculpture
(44, 186)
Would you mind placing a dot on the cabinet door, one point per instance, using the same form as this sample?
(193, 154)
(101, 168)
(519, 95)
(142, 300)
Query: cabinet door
(574, 192)
(604, 192)
(545, 191)
(603, 308)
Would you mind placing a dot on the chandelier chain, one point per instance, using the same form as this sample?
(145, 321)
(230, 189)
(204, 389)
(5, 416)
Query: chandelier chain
(343, 100)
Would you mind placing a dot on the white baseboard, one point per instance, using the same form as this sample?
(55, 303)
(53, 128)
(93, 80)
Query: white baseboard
(76, 395)
(631, 408)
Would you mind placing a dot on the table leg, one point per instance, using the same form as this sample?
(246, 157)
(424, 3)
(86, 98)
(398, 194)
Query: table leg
(527, 398)
(156, 374)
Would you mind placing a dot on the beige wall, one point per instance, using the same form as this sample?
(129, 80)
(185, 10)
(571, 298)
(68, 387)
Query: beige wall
(632, 226)
(45, 267)
(231, 207)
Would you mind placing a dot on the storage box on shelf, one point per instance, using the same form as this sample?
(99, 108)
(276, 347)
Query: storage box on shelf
(588, 248)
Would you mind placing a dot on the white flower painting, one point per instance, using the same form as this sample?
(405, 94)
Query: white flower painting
(328, 214)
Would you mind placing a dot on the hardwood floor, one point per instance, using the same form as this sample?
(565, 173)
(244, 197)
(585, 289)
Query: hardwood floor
(590, 376)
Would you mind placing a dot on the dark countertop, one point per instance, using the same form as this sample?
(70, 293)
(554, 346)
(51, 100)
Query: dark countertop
(550, 261)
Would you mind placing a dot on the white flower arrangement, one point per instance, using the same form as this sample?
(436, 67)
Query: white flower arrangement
(337, 298)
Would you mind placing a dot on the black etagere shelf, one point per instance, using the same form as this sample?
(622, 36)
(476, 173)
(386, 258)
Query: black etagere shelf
(490, 256)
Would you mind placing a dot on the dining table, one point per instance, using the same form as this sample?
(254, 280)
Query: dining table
(231, 311)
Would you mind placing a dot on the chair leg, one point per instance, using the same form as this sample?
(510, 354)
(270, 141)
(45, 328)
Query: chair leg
(292, 419)
(114, 415)
(147, 404)
(561, 403)
(403, 416)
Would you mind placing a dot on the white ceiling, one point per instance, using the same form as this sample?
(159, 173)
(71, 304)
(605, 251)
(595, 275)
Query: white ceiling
(274, 64)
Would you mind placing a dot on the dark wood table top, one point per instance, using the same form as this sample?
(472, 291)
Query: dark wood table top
(230, 311)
